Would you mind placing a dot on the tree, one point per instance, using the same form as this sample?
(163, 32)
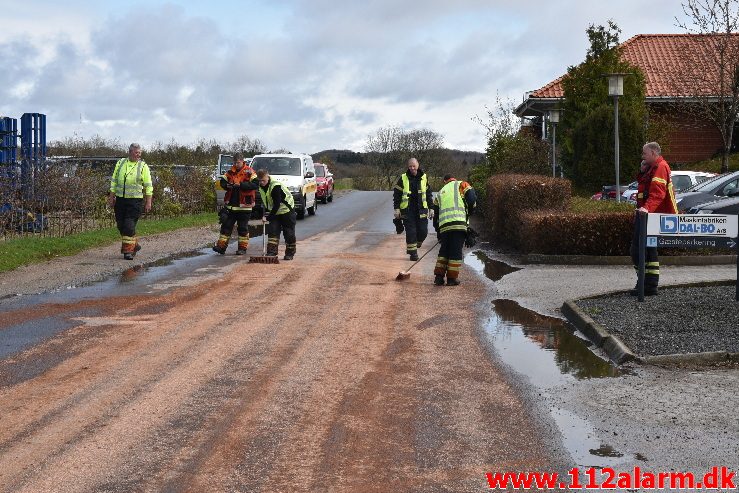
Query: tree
(710, 66)
(248, 146)
(388, 149)
(587, 126)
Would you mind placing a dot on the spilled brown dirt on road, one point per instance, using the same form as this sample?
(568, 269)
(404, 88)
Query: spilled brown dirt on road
(321, 374)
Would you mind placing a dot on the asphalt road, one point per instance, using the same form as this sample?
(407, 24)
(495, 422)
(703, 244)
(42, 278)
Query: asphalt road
(212, 374)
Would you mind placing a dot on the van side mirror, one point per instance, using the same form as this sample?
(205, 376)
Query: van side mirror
(310, 174)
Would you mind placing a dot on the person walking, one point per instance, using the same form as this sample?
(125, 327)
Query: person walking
(279, 209)
(455, 203)
(240, 183)
(411, 199)
(131, 192)
(654, 195)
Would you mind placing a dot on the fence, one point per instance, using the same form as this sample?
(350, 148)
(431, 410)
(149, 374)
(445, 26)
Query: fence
(71, 197)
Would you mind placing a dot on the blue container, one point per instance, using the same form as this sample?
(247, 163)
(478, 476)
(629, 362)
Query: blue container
(8, 140)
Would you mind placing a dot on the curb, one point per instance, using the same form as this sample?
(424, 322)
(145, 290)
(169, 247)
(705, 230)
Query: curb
(600, 337)
(695, 260)
(619, 353)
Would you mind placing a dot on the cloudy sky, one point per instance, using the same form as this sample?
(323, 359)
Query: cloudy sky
(297, 74)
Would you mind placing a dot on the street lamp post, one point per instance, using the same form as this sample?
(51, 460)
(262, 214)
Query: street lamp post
(554, 120)
(616, 89)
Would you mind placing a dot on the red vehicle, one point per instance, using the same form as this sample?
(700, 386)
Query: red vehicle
(325, 183)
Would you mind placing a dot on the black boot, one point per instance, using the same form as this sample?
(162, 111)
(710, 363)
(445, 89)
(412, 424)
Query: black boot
(128, 256)
(452, 282)
(439, 280)
(414, 256)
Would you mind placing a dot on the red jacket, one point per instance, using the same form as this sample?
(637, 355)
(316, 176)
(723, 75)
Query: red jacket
(247, 197)
(655, 191)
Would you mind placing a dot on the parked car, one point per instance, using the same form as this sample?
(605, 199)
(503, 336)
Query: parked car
(726, 185)
(325, 183)
(681, 181)
(297, 173)
(728, 205)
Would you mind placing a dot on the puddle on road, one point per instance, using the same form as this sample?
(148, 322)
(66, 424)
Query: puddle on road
(549, 353)
(493, 269)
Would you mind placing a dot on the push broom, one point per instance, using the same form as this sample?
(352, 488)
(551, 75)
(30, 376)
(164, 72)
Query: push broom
(264, 259)
(406, 274)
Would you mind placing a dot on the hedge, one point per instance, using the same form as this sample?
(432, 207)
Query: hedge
(508, 195)
(571, 233)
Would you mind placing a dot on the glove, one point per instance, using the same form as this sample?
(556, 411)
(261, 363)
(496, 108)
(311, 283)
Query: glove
(430, 214)
(396, 215)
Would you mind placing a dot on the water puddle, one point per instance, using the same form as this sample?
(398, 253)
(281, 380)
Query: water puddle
(549, 353)
(493, 269)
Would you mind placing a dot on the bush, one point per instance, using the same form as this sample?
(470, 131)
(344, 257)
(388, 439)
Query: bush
(571, 233)
(508, 195)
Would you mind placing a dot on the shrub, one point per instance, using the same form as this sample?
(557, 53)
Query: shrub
(571, 233)
(507, 195)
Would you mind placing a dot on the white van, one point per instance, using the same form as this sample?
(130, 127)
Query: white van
(225, 161)
(297, 173)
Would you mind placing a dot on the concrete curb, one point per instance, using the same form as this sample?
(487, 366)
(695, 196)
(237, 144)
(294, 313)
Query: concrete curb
(695, 260)
(612, 345)
(618, 352)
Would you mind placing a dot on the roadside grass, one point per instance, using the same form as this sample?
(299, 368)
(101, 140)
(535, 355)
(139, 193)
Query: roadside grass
(31, 250)
(343, 184)
(583, 205)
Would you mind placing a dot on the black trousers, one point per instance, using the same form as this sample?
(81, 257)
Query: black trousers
(127, 214)
(241, 218)
(285, 224)
(452, 244)
(416, 230)
(651, 259)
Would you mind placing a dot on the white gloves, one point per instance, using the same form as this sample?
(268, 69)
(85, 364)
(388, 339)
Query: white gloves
(430, 214)
(397, 214)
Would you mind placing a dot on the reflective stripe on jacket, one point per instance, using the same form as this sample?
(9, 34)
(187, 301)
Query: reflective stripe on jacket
(247, 198)
(655, 192)
(286, 206)
(406, 191)
(131, 179)
(452, 208)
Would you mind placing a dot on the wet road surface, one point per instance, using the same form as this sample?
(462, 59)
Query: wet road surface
(212, 374)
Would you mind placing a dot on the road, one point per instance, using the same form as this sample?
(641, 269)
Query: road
(212, 374)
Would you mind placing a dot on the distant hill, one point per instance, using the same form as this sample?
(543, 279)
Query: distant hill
(345, 156)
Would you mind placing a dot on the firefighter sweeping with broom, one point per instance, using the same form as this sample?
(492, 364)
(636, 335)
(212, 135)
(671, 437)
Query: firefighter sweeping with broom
(279, 208)
(240, 183)
(455, 202)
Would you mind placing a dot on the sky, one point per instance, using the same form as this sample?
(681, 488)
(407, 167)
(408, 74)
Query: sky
(297, 74)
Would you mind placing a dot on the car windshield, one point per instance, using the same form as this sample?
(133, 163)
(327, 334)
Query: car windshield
(277, 165)
(320, 171)
(681, 182)
(226, 163)
(708, 185)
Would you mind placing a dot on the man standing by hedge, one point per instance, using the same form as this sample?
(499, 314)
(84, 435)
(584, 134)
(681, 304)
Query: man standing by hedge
(130, 183)
(655, 195)
(411, 199)
(455, 202)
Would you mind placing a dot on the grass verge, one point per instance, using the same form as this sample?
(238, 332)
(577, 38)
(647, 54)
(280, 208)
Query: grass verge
(582, 204)
(31, 250)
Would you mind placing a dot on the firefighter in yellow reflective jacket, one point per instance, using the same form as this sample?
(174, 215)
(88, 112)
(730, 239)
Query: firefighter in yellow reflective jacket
(279, 209)
(454, 204)
(411, 200)
(131, 191)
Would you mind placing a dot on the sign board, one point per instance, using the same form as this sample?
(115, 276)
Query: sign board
(690, 242)
(686, 225)
(684, 231)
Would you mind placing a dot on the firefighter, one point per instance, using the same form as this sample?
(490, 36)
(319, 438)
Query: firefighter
(131, 191)
(655, 195)
(240, 183)
(455, 202)
(411, 199)
(279, 208)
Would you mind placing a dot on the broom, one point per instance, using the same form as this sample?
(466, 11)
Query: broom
(406, 274)
(264, 259)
